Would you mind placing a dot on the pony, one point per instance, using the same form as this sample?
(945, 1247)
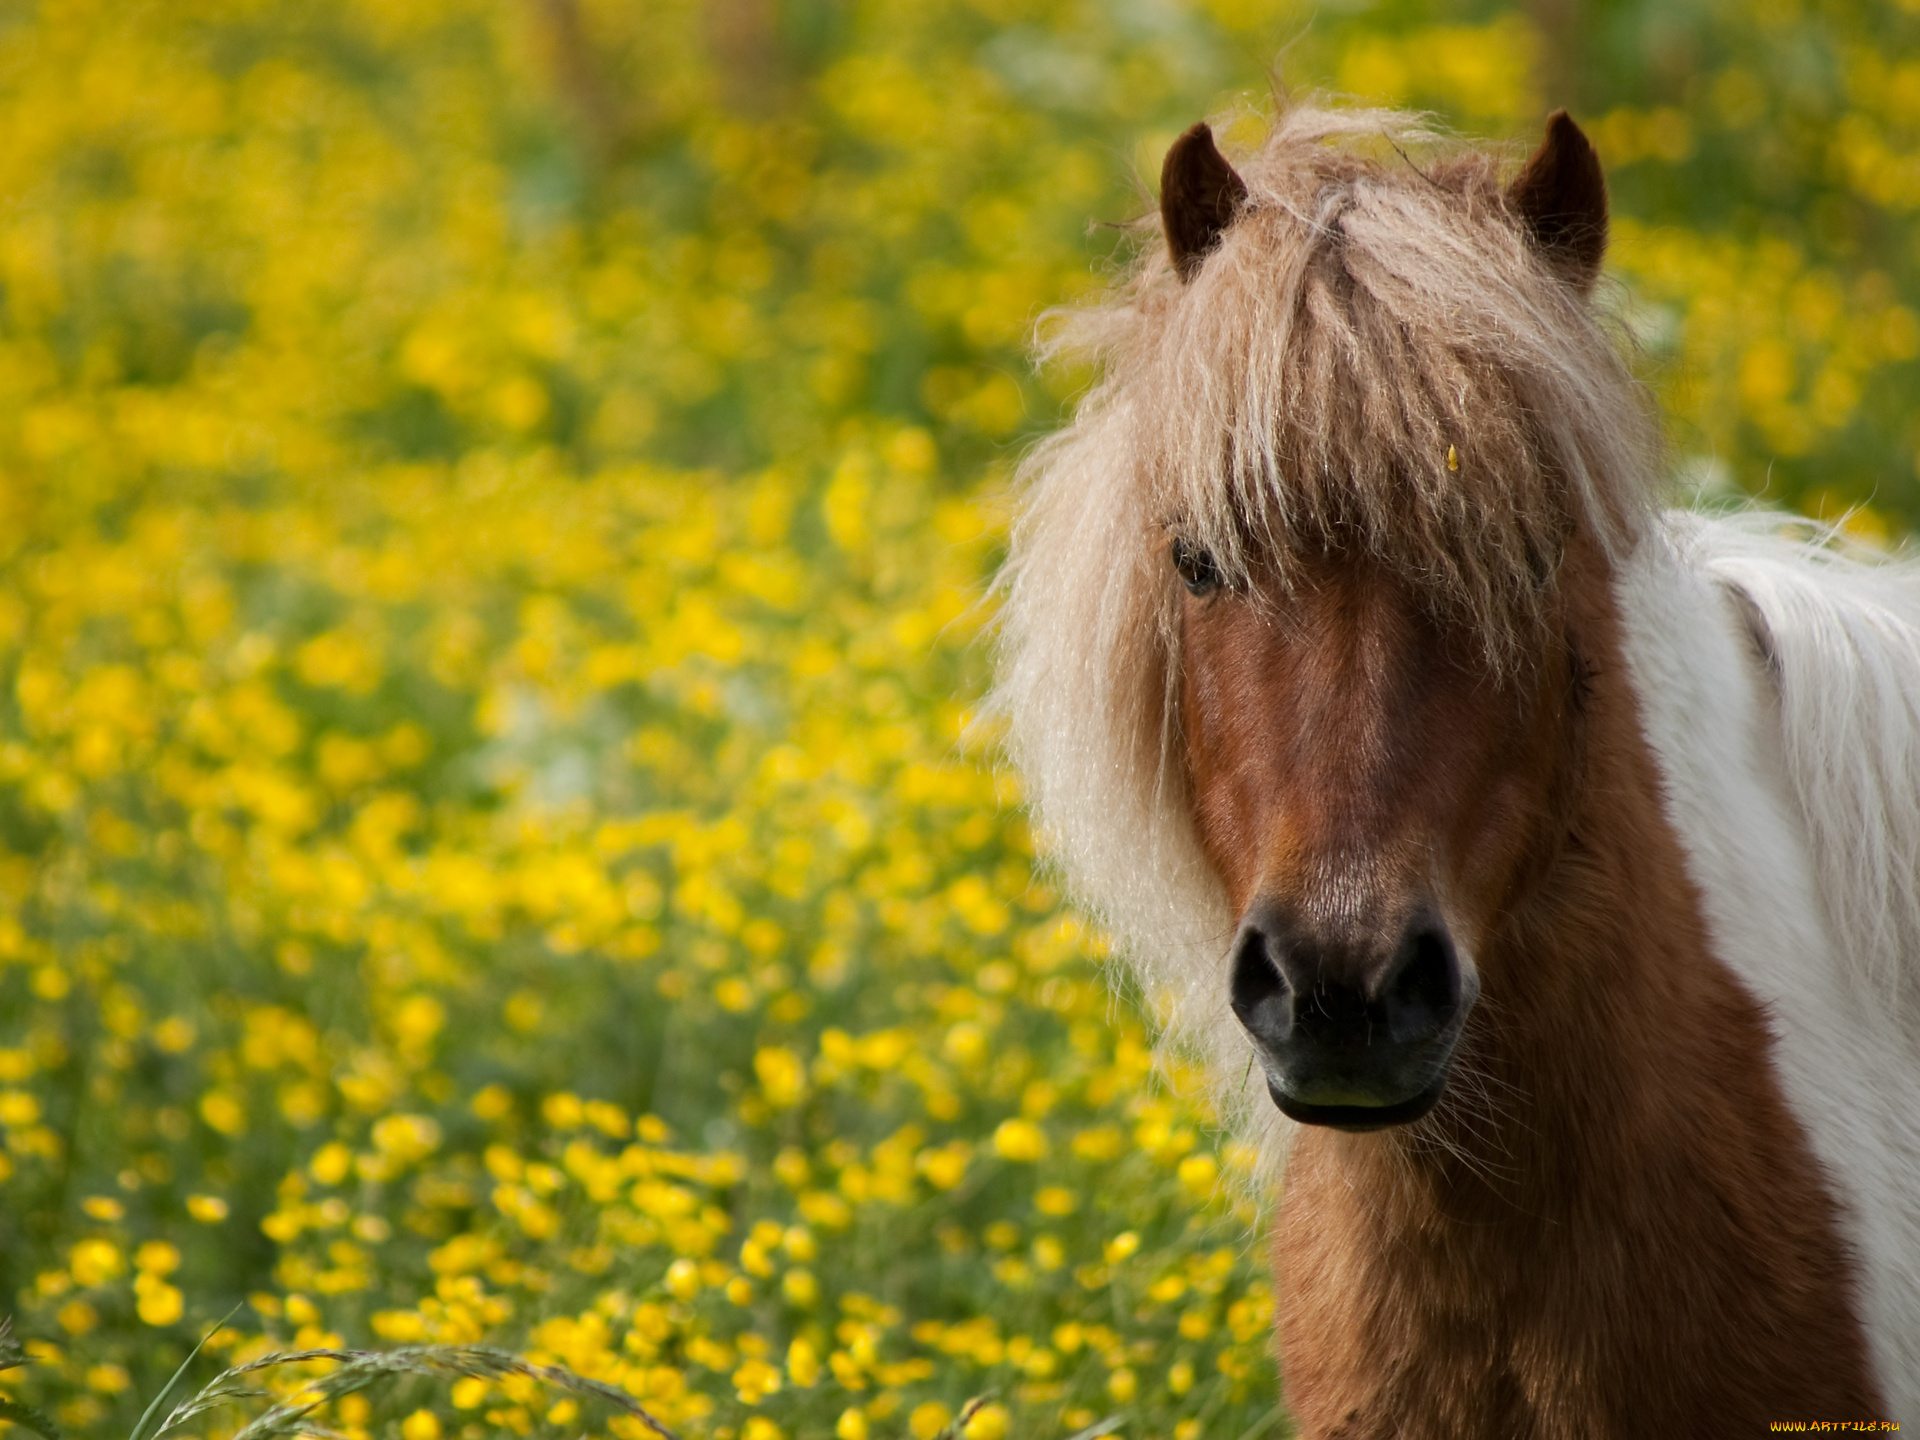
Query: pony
(1534, 864)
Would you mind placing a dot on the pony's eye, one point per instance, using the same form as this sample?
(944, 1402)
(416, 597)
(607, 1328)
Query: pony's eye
(1197, 567)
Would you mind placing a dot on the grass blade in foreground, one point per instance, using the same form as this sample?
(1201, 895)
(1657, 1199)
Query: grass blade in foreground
(358, 1369)
(140, 1428)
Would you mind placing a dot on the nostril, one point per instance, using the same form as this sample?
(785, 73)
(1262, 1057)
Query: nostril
(1422, 990)
(1259, 995)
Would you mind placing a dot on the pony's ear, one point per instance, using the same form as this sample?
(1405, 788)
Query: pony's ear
(1560, 195)
(1199, 195)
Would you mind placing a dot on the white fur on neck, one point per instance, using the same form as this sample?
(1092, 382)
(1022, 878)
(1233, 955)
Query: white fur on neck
(1847, 1064)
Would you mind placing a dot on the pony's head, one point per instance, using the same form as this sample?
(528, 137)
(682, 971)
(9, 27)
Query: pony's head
(1291, 655)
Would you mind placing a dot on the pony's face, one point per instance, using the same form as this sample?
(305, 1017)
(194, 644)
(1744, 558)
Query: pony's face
(1373, 787)
(1374, 792)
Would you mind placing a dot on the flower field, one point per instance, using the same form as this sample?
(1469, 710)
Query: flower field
(511, 904)
(497, 508)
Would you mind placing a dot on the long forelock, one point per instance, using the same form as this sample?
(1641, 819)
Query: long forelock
(1374, 362)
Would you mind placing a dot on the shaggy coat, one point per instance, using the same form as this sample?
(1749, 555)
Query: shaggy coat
(1675, 1185)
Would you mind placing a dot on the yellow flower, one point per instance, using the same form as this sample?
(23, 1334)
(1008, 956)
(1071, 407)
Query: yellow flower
(406, 1139)
(965, 1043)
(791, 1166)
(418, 1019)
(609, 1119)
(1102, 1142)
(468, 1392)
(108, 1379)
(174, 1035)
(928, 1419)
(754, 1380)
(1198, 1174)
(683, 1279)
(945, 1167)
(95, 1262)
(537, 1220)
(803, 1363)
(1020, 1140)
(852, 1425)
(782, 1075)
(207, 1209)
(157, 1257)
(1055, 1200)
(492, 1102)
(825, 1209)
(224, 1111)
(563, 1111)
(404, 1327)
(76, 1317)
(18, 1109)
(157, 1302)
(421, 1425)
(989, 1422)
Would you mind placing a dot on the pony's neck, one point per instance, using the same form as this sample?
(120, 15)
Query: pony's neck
(1613, 1206)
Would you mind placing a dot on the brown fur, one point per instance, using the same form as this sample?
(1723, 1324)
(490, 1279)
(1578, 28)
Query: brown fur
(1612, 1226)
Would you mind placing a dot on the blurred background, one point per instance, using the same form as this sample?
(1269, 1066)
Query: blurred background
(496, 501)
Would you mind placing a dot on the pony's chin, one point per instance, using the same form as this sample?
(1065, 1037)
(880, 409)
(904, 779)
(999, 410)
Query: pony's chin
(1360, 1117)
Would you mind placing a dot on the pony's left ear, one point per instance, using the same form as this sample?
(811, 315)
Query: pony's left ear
(1200, 193)
(1560, 196)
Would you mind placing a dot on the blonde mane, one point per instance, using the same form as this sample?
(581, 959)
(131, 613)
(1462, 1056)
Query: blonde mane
(1374, 361)
(1840, 632)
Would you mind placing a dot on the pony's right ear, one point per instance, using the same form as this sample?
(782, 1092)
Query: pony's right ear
(1560, 196)
(1200, 193)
